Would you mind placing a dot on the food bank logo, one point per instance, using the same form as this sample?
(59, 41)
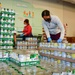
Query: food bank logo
(28, 14)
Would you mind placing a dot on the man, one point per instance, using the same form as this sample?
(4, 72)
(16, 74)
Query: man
(53, 27)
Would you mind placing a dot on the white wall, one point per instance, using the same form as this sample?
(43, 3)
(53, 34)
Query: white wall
(69, 18)
(64, 12)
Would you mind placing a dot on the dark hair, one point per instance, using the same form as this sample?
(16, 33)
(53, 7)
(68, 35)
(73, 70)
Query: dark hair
(45, 13)
(27, 21)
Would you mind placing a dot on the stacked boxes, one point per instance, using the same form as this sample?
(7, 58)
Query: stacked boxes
(60, 52)
(23, 58)
(7, 22)
(30, 43)
(22, 45)
(4, 56)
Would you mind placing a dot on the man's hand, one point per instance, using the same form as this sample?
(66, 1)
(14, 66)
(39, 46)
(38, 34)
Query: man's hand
(59, 40)
(49, 39)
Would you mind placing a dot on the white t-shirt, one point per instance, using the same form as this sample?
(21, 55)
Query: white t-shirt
(54, 27)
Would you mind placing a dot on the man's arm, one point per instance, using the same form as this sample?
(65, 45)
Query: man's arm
(60, 25)
(46, 29)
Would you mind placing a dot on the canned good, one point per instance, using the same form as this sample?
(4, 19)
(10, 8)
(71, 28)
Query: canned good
(3, 14)
(68, 64)
(60, 54)
(63, 45)
(13, 16)
(73, 65)
(11, 36)
(48, 52)
(18, 47)
(5, 42)
(2, 9)
(8, 47)
(5, 31)
(52, 52)
(68, 46)
(6, 10)
(1, 36)
(40, 44)
(8, 41)
(4, 47)
(55, 53)
(12, 11)
(69, 55)
(0, 54)
(6, 15)
(23, 47)
(25, 43)
(55, 45)
(12, 21)
(52, 60)
(1, 41)
(9, 10)
(0, 47)
(44, 51)
(51, 45)
(9, 20)
(18, 42)
(63, 62)
(41, 51)
(45, 44)
(73, 56)
(58, 61)
(64, 54)
(5, 25)
(10, 16)
(48, 45)
(73, 46)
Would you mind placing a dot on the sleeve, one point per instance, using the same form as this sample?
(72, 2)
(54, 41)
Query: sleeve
(28, 30)
(60, 25)
(23, 30)
(46, 29)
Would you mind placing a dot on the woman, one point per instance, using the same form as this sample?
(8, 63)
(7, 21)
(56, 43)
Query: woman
(27, 31)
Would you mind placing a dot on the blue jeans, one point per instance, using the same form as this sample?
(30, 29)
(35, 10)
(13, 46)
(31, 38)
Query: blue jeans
(24, 37)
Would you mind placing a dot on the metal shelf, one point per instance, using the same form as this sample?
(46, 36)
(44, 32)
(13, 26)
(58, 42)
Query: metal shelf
(22, 45)
(27, 45)
(57, 57)
(32, 44)
(57, 49)
(32, 40)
